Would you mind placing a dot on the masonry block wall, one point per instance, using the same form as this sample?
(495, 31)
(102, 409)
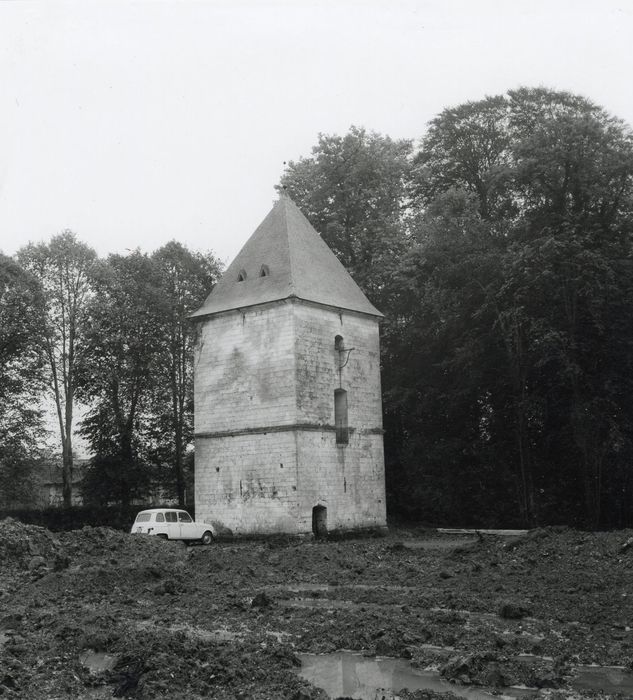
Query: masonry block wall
(266, 449)
(347, 479)
(244, 369)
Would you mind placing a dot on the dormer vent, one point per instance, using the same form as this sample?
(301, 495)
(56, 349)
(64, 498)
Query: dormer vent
(241, 276)
(264, 271)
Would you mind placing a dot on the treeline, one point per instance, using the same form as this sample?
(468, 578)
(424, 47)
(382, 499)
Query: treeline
(112, 335)
(499, 248)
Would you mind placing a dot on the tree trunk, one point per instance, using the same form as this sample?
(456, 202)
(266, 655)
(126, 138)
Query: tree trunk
(526, 486)
(67, 471)
(127, 462)
(178, 466)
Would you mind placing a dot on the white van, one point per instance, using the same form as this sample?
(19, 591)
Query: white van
(172, 524)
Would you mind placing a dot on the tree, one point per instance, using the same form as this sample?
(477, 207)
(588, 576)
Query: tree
(500, 253)
(441, 377)
(116, 381)
(468, 148)
(20, 379)
(552, 175)
(63, 268)
(353, 189)
(184, 280)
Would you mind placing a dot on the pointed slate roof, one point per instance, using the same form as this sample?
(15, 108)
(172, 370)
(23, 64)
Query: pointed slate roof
(297, 262)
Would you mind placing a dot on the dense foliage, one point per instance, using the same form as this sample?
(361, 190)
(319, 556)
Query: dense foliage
(113, 336)
(499, 249)
(20, 379)
(138, 375)
(508, 339)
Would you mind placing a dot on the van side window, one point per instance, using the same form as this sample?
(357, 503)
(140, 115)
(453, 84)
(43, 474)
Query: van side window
(160, 518)
(171, 517)
(184, 517)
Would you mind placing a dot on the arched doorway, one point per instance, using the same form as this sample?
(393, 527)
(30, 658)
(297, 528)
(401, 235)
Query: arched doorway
(319, 521)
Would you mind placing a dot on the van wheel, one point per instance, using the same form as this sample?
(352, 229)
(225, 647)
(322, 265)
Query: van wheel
(207, 538)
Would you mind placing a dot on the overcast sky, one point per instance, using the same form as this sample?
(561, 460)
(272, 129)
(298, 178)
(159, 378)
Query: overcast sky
(133, 123)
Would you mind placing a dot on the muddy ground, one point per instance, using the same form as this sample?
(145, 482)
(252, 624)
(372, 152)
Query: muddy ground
(229, 620)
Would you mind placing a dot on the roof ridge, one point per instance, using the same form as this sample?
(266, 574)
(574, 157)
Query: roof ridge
(282, 202)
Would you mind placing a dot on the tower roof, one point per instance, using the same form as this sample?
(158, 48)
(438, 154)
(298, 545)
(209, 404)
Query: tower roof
(284, 258)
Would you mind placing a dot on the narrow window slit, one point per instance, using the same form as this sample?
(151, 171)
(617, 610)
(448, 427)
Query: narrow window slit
(340, 417)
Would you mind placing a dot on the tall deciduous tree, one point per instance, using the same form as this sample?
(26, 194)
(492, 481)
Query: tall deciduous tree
(502, 259)
(184, 280)
(20, 378)
(552, 175)
(138, 372)
(63, 268)
(121, 349)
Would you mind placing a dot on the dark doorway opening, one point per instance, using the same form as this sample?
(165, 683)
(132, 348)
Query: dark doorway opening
(319, 521)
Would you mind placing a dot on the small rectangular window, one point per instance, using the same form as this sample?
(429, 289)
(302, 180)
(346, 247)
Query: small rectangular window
(160, 518)
(340, 417)
(171, 517)
(184, 517)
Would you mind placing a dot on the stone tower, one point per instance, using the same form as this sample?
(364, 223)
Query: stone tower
(288, 415)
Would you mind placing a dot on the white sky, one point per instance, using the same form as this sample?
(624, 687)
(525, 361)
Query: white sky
(132, 123)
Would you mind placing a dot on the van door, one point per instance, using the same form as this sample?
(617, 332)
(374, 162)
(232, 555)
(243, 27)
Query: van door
(188, 529)
(172, 526)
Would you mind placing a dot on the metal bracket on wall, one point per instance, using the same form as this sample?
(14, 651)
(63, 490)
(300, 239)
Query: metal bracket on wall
(348, 351)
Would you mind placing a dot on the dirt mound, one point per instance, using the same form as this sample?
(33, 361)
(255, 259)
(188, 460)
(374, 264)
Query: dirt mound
(99, 613)
(90, 561)
(128, 549)
(31, 546)
(27, 545)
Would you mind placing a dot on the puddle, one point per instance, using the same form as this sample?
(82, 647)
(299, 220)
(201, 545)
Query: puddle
(609, 679)
(98, 661)
(352, 675)
(355, 676)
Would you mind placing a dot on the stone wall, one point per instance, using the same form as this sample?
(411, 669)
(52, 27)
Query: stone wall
(348, 480)
(266, 450)
(248, 483)
(317, 363)
(244, 370)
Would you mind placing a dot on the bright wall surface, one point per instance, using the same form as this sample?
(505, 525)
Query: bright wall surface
(266, 450)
